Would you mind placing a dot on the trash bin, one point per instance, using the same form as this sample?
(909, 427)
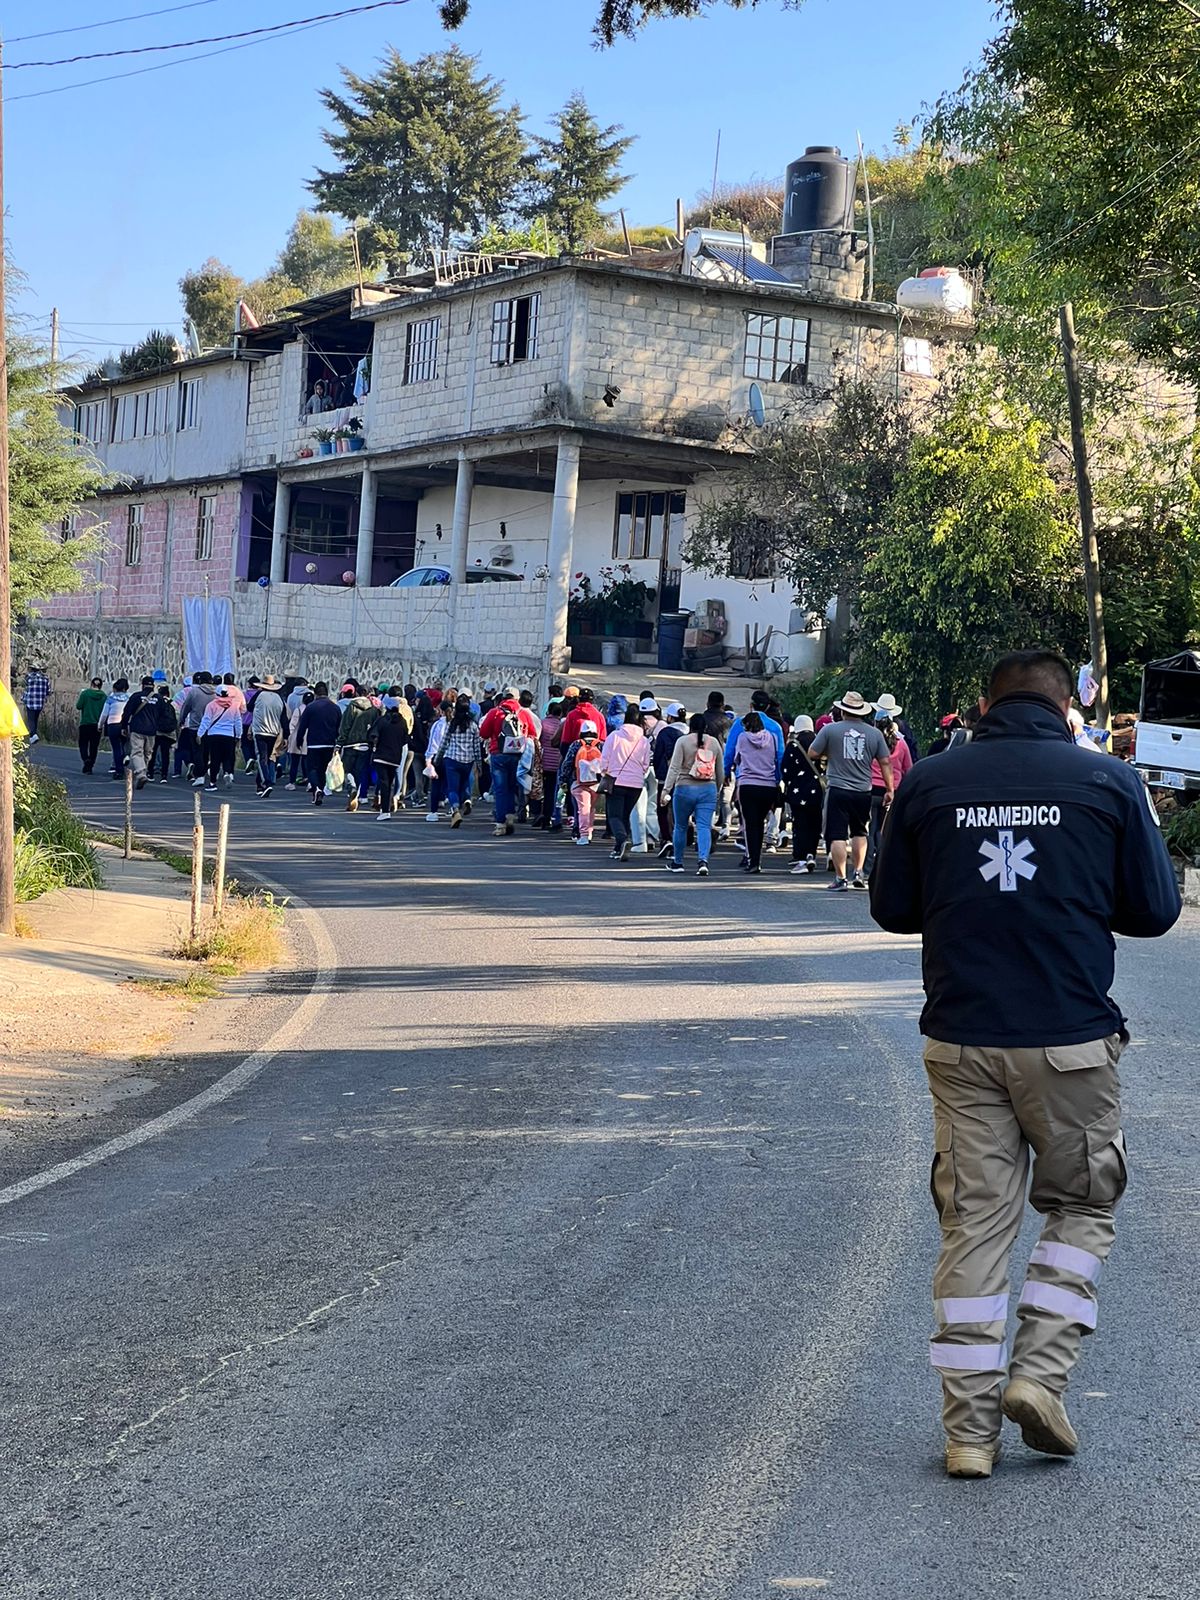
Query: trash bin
(671, 628)
(610, 653)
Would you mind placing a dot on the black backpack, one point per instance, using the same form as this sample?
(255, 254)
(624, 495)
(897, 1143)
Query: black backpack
(144, 717)
(168, 717)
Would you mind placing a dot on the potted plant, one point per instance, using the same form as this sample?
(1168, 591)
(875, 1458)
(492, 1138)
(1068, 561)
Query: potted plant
(341, 440)
(355, 438)
(324, 438)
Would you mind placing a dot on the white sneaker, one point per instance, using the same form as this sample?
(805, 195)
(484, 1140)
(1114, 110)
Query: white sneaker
(800, 868)
(384, 816)
(588, 840)
(35, 738)
(289, 786)
(198, 783)
(431, 816)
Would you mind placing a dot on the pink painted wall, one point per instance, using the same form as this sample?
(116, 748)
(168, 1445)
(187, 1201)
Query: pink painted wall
(144, 591)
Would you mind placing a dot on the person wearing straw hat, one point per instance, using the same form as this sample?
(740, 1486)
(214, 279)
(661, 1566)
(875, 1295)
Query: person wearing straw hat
(848, 748)
(266, 728)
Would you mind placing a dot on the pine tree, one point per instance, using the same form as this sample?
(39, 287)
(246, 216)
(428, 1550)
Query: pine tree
(49, 477)
(575, 173)
(427, 153)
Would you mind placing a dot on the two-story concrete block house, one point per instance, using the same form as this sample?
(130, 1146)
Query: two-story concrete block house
(544, 417)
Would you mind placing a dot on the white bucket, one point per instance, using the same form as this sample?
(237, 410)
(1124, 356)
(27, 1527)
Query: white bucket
(610, 653)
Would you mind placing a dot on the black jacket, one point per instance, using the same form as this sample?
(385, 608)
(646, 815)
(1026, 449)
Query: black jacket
(392, 738)
(141, 714)
(801, 786)
(319, 723)
(1018, 856)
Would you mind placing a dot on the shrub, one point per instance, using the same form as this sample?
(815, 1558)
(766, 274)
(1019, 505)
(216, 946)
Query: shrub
(247, 935)
(814, 698)
(1182, 833)
(50, 845)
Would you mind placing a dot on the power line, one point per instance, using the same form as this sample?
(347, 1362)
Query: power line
(111, 22)
(1119, 200)
(161, 66)
(217, 38)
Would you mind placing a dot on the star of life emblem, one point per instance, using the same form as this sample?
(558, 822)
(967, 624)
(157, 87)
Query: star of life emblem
(1007, 861)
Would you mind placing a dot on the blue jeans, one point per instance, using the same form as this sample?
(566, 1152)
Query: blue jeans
(458, 782)
(504, 785)
(694, 801)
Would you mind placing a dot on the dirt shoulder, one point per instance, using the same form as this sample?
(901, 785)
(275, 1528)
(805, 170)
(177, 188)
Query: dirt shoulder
(95, 1012)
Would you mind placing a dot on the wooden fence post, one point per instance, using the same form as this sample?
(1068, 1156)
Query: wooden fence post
(128, 812)
(218, 897)
(197, 868)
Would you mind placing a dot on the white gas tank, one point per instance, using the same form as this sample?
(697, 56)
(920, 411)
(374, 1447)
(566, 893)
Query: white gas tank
(940, 289)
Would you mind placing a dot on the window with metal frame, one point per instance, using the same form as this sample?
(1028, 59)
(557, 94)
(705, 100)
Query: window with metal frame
(206, 521)
(189, 404)
(515, 329)
(776, 348)
(90, 422)
(918, 358)
(641, 523)
(421, 350)
(134, 518)
(69, 527)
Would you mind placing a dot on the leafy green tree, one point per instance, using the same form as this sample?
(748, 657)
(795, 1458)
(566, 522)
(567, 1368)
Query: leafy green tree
(979, 556)
(426, 153)
(49, 478)
(619, 18)
(315, 257)
(1082, 182)
(210, 296)
(576, 172)
(808, 503)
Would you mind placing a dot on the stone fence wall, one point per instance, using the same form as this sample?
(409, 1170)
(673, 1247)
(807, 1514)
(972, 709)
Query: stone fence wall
(467, 636)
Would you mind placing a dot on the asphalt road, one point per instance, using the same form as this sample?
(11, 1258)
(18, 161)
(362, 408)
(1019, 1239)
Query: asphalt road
(580, 1250)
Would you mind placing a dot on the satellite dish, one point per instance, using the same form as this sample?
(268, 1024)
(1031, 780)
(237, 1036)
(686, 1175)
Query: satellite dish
(192, 337)
(758, 411)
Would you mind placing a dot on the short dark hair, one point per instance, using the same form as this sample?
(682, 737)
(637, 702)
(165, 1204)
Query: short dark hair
(526, 697)
(120, 686)
(633, 714)
(1031, 672)
(716, 700)
(752, 722)
(320, 690)
(760, 700)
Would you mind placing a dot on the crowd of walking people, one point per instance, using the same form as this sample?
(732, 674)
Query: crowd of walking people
(646, 776)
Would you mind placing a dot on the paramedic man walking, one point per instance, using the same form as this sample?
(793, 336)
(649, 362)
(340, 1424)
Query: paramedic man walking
(1018, 856)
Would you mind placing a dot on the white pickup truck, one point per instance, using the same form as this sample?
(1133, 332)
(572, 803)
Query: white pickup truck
(1166, 748)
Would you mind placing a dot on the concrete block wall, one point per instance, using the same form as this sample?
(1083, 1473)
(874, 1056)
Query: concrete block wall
(492, 625)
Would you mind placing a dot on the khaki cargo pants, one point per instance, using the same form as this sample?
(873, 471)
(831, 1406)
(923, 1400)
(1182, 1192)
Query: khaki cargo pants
(991, 1106)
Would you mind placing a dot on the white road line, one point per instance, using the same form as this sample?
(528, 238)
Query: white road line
(236, 1078)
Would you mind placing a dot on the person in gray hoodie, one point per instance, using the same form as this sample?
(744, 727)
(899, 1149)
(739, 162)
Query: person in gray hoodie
(191, 709)
(756, 763)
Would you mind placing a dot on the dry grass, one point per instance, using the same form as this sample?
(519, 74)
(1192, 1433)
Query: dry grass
(195, 986)
(248, 936)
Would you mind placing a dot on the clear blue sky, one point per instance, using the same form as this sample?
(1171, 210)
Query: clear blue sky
(114, 191)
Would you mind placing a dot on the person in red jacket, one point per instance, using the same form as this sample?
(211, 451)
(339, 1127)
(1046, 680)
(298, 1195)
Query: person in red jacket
(582, 711)
(504, 731)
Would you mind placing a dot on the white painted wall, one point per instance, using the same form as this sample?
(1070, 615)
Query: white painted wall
(212, 449)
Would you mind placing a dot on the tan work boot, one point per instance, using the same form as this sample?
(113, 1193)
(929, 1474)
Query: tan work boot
(971, 1460)
(1041, 1417)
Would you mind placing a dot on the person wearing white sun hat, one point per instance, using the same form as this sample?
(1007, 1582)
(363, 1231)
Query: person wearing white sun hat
(848, 749)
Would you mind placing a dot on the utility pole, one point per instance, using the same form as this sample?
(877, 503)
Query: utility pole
(8, 907)
(1087, 520)
(54, 338)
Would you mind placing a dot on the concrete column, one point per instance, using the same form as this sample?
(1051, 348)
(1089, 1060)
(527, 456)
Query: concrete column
(560, 558)
(464, 487)
(280, 529)
(366, 530)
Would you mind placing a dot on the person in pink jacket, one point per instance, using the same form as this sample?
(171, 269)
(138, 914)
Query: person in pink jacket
(626, 758)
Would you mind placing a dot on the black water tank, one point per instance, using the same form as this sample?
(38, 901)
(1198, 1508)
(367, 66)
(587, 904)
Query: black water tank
(817, 190)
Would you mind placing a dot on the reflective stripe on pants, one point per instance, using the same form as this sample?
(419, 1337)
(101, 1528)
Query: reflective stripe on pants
(991, 1108)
